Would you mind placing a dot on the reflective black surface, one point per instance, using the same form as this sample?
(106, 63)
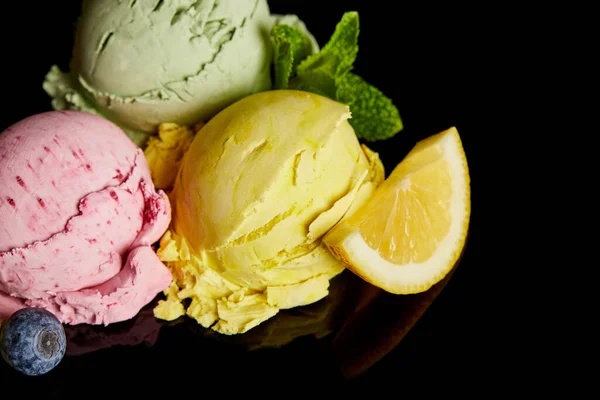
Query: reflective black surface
(431, 62)
(329, 344)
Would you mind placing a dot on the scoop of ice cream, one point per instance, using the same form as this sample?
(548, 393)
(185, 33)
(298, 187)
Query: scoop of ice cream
(79, 215)
(165, 151)
(146, 62)
(260, 185)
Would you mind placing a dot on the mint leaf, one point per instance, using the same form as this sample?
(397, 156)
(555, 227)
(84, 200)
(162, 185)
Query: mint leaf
(316, 83)
(328, 73)
(324, 89)
(291, 47)
(318, 72)
(337, 56)
(374, 116)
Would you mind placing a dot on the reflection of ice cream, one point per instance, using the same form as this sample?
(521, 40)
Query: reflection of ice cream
(146, 62)
(260, 185)
(143, 329)
(79, 213)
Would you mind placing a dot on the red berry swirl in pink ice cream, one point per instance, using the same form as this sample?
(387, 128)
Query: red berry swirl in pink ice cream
(79, 214)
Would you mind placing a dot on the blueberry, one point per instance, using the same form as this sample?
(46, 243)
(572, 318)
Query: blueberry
(32, 341)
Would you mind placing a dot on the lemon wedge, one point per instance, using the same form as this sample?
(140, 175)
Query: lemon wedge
(410, 233)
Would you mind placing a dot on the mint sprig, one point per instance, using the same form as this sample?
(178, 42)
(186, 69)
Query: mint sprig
(328, 73)
(373, 113)
(291, 47)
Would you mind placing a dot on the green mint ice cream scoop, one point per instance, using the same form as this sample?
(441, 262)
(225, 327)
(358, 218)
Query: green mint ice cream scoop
(141, 63)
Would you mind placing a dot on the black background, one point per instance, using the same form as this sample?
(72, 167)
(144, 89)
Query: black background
(443, 65)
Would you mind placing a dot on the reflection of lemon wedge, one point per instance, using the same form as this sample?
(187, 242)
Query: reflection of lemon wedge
(410, 233)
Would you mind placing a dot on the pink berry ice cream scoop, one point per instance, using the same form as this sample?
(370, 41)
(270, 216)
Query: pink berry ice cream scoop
(78, 216)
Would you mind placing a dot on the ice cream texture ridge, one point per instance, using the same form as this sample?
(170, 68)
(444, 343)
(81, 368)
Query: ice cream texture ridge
(148, 62)
(79, 216)
(259, 186)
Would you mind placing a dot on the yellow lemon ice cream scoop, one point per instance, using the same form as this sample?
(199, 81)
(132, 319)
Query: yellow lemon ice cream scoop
(260, 185)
